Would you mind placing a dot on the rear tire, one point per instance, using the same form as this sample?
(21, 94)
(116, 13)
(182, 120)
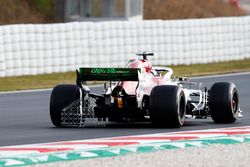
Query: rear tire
(224, 102)
(167, 106)
(61, 96)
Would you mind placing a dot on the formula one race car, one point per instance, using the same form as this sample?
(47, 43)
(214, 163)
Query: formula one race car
(140, 93)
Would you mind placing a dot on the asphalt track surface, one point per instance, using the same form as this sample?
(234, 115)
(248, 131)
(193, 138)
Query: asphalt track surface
(24, 117)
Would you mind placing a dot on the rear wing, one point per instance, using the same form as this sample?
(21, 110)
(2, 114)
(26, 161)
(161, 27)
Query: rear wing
(107, 74)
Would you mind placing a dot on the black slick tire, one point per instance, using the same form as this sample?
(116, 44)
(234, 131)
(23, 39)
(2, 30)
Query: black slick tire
(224, 102)
(61, 96)
(167, 106)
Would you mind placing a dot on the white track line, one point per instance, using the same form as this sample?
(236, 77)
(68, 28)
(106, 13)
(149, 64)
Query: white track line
(36, 90)
(222, 75)
(92, 86)
(25, 91)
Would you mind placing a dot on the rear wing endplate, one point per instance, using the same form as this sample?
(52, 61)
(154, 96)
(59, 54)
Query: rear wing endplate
(107, 74)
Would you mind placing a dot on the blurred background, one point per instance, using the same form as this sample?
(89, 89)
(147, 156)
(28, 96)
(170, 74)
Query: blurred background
(57, 11)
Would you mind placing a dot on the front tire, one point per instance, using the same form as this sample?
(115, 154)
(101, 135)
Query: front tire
(224, 102)
(61, 96)
(167, 106)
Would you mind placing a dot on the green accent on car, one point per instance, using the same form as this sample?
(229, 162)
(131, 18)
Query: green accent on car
(108, 74)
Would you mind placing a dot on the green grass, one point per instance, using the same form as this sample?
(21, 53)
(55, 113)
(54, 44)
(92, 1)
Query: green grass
(212, 68)
(50, 80)
(45, 6)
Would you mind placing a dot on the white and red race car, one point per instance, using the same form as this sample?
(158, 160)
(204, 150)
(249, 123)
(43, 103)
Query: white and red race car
(140, 93)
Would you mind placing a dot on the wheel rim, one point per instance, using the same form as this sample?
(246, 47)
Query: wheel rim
(182, 110)
(235, 103)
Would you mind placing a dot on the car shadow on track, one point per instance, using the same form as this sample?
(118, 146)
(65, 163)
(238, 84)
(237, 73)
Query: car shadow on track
(189, 124)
